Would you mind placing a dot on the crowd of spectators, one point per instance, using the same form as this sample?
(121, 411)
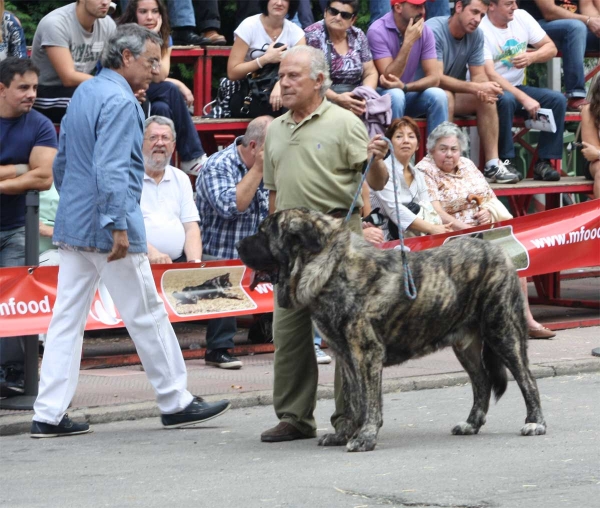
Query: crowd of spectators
(415, 60)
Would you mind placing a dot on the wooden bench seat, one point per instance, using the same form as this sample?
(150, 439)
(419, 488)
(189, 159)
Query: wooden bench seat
(520, 194)
(215, 132)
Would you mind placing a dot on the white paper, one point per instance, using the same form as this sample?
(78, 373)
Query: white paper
(543, 121)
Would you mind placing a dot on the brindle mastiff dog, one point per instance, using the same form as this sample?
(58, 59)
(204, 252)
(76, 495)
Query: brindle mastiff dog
(469, 297)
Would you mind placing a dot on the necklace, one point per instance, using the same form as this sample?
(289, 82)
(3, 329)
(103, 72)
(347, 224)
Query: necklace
(273, 34)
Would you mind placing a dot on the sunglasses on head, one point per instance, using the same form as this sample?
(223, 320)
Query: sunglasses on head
(345, 15)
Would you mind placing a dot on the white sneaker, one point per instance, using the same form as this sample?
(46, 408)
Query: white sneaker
(322, 356)
(194, 166)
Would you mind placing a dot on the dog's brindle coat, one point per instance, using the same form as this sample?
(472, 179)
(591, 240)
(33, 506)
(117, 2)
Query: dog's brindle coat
(469, 297)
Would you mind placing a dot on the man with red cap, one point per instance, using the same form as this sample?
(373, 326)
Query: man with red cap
(400, 41)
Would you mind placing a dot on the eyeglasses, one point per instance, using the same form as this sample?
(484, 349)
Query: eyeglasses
(345, 15)
(164, 138)
(154, 62)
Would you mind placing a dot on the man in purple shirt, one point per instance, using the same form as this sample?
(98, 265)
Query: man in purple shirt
(400, 41)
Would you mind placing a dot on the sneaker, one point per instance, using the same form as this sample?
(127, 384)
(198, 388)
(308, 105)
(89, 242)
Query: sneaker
(66, 427)
(194, 166)
(222, 359)
(499, 174)
(511, 168)
(198, 411)
(544, 171)
(322, 356)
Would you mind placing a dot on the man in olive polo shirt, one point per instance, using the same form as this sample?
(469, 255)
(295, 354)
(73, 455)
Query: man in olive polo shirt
(314, 156)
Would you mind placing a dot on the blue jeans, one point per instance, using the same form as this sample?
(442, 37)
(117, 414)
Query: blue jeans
(431, 103)
(181, 13)
(166, 100)
(550, 145)
(572, 38)
(378, 8)
(437, 8)
(12, 253)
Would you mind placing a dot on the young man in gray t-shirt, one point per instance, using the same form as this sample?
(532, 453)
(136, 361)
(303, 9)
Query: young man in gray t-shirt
(67, 45)
(459, 46)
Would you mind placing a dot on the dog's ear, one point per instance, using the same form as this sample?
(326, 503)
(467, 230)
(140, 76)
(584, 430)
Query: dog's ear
(308, 232)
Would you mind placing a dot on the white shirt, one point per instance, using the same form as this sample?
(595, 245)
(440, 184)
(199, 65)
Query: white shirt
(253, 33)
(166, 207)
(503, 44)
(386, 202)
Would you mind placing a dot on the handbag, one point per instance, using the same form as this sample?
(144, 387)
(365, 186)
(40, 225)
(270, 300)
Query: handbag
(497, 210)
(247, 97)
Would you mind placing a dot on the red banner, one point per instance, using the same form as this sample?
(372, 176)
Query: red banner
(544, 242)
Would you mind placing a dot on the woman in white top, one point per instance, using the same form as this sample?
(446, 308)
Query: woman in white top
(405, 137)
(264, 31)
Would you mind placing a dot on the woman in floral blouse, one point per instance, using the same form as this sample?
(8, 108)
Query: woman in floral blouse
(347, 51)
(12, 38)
(452, 179)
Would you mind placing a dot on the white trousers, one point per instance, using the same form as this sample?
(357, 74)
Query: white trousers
(131, 286)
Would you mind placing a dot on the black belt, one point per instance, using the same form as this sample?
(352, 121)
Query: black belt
(341, 213)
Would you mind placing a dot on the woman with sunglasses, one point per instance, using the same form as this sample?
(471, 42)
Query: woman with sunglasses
(347, 51)
(167, 97)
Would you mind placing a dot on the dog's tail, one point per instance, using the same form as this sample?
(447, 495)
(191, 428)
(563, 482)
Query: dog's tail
(496, 371)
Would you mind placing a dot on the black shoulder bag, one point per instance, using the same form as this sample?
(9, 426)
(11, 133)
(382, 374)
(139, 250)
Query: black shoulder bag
(247, 97)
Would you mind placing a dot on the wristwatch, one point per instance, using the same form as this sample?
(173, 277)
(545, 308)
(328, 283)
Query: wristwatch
(405, 88)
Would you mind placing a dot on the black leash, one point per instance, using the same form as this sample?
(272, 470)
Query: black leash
(409, 284)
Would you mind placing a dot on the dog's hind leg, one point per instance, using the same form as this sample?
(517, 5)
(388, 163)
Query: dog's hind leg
(513, 353)
(468, 351)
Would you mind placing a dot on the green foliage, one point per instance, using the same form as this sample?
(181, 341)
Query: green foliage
(30, 13)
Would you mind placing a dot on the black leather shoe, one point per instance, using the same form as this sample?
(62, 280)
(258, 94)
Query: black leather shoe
(189, 38)
(198, 411)
(66, 427)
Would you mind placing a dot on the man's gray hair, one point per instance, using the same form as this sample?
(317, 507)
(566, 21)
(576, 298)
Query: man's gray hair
(257, 130)
(318, 64)
(161, 120)
(446, 130)
(130, 36)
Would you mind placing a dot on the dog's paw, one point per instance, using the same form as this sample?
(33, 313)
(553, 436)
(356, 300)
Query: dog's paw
(361, 444)
(464, 429)
(533, 429)
(333, 440)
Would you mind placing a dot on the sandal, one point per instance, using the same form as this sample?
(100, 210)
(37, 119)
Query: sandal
(541, 333)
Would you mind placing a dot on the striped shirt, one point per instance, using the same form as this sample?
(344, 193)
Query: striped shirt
(222, 225)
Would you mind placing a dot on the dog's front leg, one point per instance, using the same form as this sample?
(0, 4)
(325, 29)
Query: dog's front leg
(369, 365)
(347, 424)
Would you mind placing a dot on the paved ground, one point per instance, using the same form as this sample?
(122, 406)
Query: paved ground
(123, 393)
(417, 462)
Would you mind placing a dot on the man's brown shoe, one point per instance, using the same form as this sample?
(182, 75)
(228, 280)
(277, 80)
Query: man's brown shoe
(282, 432)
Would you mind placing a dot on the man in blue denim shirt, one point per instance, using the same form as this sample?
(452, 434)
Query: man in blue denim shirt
(99, 228)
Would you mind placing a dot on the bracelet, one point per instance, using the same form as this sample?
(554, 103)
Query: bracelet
(588, 20)
(405, 88)
(258, 62)
(195, 261)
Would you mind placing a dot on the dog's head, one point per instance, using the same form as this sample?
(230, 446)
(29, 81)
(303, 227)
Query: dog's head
(285, 242)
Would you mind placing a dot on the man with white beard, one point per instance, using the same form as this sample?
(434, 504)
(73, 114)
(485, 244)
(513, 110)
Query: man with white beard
(170, 213)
